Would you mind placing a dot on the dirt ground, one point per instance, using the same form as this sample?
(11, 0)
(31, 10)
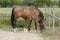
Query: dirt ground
(32, 35)
(10, 35)
(57, 33)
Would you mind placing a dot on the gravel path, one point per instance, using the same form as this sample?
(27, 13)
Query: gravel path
(8, 35)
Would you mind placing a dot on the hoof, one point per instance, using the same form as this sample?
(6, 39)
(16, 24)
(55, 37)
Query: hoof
(15, 30)
(25, 30)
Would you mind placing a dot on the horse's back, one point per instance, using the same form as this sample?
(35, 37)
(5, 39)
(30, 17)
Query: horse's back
(29, 12)
(25, 10)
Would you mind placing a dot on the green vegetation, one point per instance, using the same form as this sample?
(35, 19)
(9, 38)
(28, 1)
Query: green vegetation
(39, 3)
(47, 34)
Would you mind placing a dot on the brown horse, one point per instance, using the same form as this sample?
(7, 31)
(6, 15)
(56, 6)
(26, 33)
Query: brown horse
(29, 13)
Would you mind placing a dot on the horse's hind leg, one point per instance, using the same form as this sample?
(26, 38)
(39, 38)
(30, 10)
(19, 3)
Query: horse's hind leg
(35, 25)
(14, 25)
(26, 27)
(29, 25)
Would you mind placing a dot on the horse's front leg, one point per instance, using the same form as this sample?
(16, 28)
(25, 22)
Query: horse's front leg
(41, 25)
(37, 27)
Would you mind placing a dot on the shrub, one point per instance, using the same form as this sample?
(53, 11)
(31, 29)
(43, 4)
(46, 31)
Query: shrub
(20, 23)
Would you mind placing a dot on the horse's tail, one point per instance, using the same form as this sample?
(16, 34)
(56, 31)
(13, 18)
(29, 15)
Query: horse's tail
(12, 17)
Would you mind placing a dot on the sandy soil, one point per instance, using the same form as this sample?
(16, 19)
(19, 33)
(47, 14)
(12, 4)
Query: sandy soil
(9, 35)
(57, 33)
